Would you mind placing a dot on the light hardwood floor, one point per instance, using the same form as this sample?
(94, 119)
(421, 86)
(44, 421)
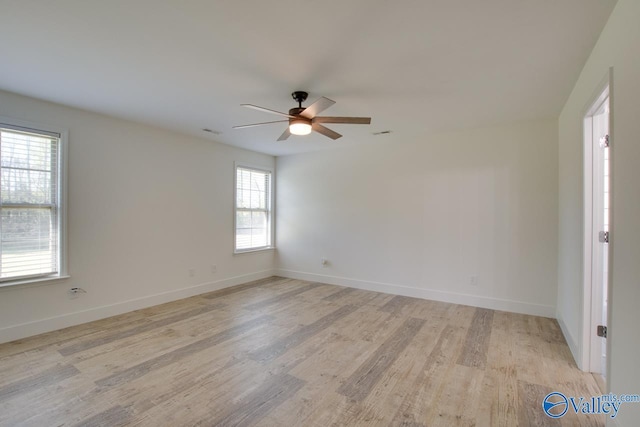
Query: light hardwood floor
(293, 353)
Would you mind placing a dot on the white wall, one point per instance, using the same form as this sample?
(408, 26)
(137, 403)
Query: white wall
(618, 47)
(145, 206)
(420, 218)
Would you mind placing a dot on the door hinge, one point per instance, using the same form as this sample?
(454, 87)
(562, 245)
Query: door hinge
(605, 142)
(602, 331)
(603, 237)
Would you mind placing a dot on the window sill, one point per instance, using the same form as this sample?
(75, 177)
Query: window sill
(251, 251)
(35, 281)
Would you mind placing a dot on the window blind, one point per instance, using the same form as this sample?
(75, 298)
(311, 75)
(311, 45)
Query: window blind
(253, 209)
(29, 203)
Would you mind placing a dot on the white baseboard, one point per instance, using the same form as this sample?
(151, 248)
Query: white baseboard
(15, 332)
(571, 342)
(430, 294)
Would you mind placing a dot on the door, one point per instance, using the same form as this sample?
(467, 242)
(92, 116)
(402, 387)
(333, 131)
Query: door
(600, 146)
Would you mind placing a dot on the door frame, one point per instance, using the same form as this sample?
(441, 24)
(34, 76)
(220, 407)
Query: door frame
(604, 90)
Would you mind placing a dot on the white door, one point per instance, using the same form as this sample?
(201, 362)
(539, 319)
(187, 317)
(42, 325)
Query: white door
(600, 141)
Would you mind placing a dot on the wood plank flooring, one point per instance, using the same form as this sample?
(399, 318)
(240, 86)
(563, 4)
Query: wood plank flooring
(293, 353)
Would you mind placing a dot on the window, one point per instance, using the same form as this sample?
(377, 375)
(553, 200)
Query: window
(253, 203)
(31, 229)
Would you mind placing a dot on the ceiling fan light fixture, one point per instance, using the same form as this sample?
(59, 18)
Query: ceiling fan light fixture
(299, 127)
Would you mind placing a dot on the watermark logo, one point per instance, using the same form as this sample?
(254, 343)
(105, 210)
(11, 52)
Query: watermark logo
(556, 404)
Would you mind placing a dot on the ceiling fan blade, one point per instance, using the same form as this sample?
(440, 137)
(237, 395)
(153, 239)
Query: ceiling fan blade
(325, 131)
(317, 107)
(348, 120)
(286, 134)
(266, 110)
(258, 124)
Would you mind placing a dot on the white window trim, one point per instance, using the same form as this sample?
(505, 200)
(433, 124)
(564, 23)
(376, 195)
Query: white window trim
(62, 200)
(262, 168)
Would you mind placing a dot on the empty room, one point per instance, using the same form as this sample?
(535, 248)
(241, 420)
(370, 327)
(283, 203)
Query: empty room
(339, 213)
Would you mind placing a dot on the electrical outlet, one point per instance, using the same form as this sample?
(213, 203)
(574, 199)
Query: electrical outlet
(192, 272)
(214, 269)
(473, 281)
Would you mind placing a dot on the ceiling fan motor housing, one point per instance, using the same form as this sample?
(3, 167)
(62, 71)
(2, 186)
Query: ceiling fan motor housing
(298, 119)
(296, 111)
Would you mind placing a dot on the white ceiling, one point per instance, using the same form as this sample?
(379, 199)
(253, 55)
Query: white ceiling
(414, 66)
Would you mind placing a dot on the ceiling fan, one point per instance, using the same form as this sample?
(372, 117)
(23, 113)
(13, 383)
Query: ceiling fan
(303, 120)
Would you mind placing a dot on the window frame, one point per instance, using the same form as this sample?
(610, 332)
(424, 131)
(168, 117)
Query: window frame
(270, 211)
(63, 272)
